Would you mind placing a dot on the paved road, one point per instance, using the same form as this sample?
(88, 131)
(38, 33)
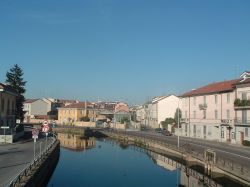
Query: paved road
(233, 153)
(15, 157)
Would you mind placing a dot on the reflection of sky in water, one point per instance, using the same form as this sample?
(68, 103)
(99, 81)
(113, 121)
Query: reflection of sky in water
(109, 165)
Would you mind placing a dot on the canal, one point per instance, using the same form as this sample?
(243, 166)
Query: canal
(103, 162)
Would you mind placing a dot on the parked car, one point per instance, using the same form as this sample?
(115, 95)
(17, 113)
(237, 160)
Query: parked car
(166, 133)
(159, 130)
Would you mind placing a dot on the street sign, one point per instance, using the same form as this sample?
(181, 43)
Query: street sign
(5, 127)
(45, 129)
(18, 121)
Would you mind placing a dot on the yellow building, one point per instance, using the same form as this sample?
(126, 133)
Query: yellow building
(76, 112)
(7, 106)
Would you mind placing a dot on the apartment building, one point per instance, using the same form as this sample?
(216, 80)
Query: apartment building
(218, 111)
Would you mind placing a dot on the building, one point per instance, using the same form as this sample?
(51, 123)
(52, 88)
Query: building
(218, 111)
(242, 108)
(76, 112)
(159, 109)
(208, 112)
(7, 106)
(36, 108)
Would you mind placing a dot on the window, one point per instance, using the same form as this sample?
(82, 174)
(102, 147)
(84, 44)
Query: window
(216, 114)
(204, 100)
(3, 103)
(228, 114)
(233, 135)
(194, 114)
(216, 99)
(246, 132)
(194, 101)
(228, 98)
(204, 114)
(244, 96)
(194, 129)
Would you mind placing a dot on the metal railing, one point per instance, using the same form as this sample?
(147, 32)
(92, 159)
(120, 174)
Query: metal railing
(26, 171)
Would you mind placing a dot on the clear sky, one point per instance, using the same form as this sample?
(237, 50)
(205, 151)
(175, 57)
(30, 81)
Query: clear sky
(123, 50)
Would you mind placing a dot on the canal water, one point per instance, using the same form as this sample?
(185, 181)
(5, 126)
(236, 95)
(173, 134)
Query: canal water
(102, 162)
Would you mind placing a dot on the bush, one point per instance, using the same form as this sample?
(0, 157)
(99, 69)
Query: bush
(85, 119)
(246, 143)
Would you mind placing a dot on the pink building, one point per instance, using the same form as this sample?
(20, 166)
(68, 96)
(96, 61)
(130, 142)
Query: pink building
(210, 113)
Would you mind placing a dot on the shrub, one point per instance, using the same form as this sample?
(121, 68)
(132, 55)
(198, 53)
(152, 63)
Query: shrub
(246, 143)
(237, 102)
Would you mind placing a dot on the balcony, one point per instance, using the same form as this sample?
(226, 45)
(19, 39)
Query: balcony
(242, 122)
(241, 104)
(227, 122)
(203, 106)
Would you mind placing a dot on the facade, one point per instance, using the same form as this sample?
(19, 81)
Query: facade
(75, 112)
(210, 113)
(159, 109)
(242, 108)
(7, 106)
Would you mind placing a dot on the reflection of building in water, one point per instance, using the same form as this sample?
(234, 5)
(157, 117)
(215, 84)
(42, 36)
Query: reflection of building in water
(187, 176)
(76, 142)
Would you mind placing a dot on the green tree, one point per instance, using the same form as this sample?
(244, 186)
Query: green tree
(14, 78)
(176, 115)
(166, 122)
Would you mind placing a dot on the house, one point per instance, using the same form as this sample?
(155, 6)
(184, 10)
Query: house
(40, 109)
(159, 109)
(7, 106)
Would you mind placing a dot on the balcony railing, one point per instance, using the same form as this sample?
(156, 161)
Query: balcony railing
(227, 121)
(240, 121)
(241, 103)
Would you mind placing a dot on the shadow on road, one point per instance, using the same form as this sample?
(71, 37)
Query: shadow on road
(4, 167)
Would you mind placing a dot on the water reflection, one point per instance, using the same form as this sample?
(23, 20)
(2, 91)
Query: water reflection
(76, 142)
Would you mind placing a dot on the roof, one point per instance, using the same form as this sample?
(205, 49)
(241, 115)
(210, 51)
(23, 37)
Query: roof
(217, 87)
(67, 101)
(8, 88)
(30, 100)
(78, 105)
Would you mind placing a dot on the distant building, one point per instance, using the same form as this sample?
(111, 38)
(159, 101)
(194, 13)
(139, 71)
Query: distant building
(159, 109)
(76, 112)
(8, 106)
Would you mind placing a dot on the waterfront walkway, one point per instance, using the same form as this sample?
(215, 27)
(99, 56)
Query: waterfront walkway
(15, 157)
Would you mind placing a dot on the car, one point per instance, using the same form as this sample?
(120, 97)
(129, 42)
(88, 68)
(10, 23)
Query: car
(166, 133)
(159, 130)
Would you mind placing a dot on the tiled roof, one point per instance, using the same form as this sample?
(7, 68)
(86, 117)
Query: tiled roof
(217, 87)
(78, 105)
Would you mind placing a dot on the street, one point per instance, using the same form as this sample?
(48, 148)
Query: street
(15, 157)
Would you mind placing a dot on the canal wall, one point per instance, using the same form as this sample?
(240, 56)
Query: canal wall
(216, 167)
(40, 170)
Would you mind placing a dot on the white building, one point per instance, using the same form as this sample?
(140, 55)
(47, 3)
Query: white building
(161, 108)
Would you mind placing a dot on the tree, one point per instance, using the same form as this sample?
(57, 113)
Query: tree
(167, 122)
(14, 78)
(176, 115)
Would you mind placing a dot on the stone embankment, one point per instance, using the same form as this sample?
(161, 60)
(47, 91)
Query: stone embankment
(212, 165)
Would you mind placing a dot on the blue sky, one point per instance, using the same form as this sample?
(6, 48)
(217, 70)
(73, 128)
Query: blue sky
(123, 50)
